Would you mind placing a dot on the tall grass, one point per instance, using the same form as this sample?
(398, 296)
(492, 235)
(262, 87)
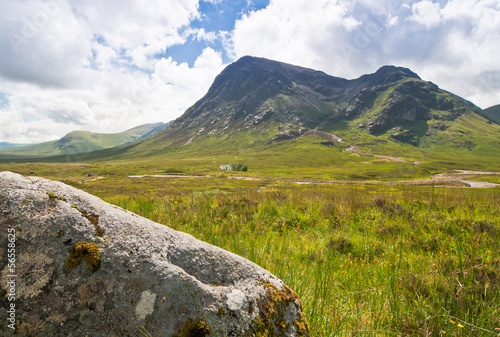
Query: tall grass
(365, 260)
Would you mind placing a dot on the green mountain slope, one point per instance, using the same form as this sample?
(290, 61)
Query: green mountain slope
(83, 141)
(493, 113)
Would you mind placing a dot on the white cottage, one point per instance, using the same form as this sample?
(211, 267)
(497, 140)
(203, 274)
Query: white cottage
(225, 167)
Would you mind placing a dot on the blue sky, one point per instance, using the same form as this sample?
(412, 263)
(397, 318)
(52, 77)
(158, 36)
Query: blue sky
(215, 17)
(4, 100)
(106, 66)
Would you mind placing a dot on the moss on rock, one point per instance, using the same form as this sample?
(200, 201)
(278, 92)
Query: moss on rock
(84, 250)
(194, 329)
(273, 306)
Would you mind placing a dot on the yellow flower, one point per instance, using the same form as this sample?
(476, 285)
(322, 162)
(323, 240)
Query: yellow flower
(460, 325)
(453, 322)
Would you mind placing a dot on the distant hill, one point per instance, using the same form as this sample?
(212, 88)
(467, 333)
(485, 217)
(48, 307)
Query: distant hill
(493, 113)
(6, 145)
(83, 141)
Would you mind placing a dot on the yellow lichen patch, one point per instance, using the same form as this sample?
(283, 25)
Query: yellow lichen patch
(273, 305)
(221, 312)
(52, 195)
(84, 250)
(301, 325)
(194, 329)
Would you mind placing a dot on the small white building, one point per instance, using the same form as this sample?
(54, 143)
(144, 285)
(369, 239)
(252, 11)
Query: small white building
(225, 167)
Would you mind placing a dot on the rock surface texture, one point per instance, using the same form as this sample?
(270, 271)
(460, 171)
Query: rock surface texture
(87, 268)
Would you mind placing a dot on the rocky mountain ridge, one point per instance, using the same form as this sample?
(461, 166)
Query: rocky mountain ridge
(260, 94)
(253, 90)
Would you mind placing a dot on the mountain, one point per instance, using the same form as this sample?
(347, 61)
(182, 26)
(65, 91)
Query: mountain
(493, 113)
(83, 141)
(253, 91)
(6, 145)
(279, 118)
(255, 104)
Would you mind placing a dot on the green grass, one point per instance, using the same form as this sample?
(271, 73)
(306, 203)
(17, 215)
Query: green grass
(365, 260)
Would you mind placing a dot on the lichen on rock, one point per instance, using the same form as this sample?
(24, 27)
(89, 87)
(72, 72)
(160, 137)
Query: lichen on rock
(301, 325)
(272, 319)
(146, 304)
(33, 272)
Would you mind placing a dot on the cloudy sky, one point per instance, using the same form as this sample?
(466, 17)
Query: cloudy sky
(109, 65)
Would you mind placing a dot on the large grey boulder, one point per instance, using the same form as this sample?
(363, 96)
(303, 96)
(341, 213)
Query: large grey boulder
(82, 267)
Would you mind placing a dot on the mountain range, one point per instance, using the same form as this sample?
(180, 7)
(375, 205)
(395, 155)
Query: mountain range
(7, 145)
(272, 115)
(83, 141)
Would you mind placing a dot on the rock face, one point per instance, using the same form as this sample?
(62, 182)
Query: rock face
(87, 268)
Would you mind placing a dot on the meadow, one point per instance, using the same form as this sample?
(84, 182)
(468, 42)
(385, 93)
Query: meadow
(365, 259)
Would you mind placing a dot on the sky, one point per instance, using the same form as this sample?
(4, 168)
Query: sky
(109, 65)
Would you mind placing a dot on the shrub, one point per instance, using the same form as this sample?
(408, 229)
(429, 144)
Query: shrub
(239, 167)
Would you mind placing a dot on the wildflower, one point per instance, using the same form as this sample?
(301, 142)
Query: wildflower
(452, 322)
(460, 325)
(163, 299)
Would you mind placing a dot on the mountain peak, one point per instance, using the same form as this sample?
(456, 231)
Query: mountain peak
(390, 69)
(386, 75)
(254, 90)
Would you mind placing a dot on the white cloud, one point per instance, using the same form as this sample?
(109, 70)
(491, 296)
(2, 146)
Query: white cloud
(426, 13)
(119, 99)
(292, 31)
(453, 43)
(51, 42)
(92, 65)
(41, 43)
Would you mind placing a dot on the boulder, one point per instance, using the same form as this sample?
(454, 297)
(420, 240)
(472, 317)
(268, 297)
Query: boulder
(73, 265)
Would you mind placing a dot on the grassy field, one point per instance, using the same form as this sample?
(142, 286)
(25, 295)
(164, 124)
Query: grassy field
(366, 260)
